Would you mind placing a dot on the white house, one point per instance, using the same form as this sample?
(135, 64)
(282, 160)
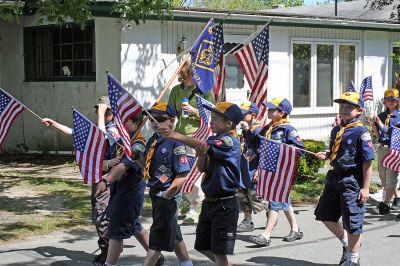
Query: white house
(313, 57)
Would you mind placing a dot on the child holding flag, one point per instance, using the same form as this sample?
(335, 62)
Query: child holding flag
(347, 185)
(279, 130)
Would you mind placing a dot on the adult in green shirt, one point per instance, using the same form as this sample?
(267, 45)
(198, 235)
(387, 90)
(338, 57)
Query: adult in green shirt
(188, 125)
(187, 89)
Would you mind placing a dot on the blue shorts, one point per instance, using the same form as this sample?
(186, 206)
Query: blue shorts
(279, 206)
(125, 208)
(340, 199)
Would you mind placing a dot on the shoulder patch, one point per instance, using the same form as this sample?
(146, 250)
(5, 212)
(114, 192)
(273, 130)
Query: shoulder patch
(114, 132)
(227, 140)
(180, 150)
(138, 147)
(366, 136)
(294, 134)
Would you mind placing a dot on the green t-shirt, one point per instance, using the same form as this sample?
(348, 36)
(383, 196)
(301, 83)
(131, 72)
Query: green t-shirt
(186, 125)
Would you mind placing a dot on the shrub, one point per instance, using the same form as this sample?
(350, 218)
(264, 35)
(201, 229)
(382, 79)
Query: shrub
(308, 165)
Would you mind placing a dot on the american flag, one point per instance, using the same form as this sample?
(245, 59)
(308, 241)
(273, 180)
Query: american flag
(219, 64)
(90, 146)
(123, 107)
(203, 132)
(392, 159)
(351, 87)
(193, 175)
(253, 58)
(9, 109)
(277, 166)
(366, 89)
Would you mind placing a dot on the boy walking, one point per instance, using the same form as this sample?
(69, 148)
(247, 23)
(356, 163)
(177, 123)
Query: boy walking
(219, 159)
(249, 201)
(347, 185)
(166, 166)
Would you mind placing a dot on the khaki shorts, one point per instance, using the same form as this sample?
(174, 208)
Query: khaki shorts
(250, 202)
(388, 177)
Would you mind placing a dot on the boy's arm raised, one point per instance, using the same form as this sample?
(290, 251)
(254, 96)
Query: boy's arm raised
(59, 127)
(199, 145)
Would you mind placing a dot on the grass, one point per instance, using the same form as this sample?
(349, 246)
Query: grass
(49, 204)
(307, 192)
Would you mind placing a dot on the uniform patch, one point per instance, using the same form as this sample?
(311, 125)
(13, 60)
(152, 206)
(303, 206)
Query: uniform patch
(163, 168)
(180, 150)
(349, 141)
(114, 133)
(228, 141)
(366, 136)
(163, 150)
(294, 133)
(138, 147)
(163, 178)
(183, 159)
(370, 144)
(218, 142)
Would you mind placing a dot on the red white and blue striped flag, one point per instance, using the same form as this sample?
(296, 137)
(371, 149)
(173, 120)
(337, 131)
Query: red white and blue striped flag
(392, 159)
(366, 89)
(123, 107)
(9, 109)
(277, 166)
(90, 146)
(253, 58)
(219, 64)
(203, 132)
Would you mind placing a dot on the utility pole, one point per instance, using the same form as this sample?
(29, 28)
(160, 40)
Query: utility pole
(336, 8)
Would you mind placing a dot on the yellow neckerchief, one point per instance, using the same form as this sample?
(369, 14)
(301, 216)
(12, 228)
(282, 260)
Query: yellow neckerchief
(150, 154)
(387, 120)
(271, 126)
(338, 138)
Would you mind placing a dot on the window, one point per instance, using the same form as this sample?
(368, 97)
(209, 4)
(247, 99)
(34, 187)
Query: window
(320, 72)
(59, 54)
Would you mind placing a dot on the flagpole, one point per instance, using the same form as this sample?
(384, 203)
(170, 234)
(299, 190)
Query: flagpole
(310, 152)
(22, 105)
(251, 36)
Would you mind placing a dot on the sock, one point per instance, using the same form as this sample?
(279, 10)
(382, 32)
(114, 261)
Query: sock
(108, 264)
(345, 242)
(354, 257)
(186, 263)
(383, 196)
(247, 216)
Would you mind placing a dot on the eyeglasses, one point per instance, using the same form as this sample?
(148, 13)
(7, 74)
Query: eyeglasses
(160, 118)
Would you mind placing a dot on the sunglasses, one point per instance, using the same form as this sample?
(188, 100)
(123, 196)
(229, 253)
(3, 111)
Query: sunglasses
(160, 119)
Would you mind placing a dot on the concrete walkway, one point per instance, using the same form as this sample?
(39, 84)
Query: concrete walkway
(318, 247)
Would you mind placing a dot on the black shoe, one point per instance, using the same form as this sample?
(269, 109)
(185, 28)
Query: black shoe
(382, 208)
(349, 263)
(293, 236)
(345, 256)
(396, 204)
(161, 260)
(100, 259)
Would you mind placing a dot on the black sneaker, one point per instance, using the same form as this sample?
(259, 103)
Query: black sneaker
(100, 259)
(161, 260)
(345, 256)
(382, 208)
(396, 204)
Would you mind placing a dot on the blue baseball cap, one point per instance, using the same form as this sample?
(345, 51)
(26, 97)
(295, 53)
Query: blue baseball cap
(351, 97)
(282, 104)
(229, 110)
(249, 107)
(162, 108)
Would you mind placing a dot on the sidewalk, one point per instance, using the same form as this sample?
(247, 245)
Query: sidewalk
(318, 247)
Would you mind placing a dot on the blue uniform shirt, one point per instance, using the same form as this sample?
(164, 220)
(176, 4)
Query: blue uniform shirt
(112, 139)
(383, 133)
(356, 146)
(134, 170)
(249, 157)
(223, 166)
(168, 161)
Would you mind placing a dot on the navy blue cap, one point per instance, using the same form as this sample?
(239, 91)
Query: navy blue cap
(282, 104)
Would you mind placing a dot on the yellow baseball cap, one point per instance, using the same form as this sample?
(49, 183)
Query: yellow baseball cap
(391, 94)
(162, 108)
(352, 98)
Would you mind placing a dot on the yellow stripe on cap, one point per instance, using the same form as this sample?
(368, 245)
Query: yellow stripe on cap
(352, 97)
(277, 101)
(160, 106)
(245, 106)
(222, 107)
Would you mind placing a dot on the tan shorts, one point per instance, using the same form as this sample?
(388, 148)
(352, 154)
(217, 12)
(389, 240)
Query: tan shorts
(250, 202)
(388, 177)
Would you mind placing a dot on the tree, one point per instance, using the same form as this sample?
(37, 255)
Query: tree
(80, 11)
(380, 4)
(246, 5)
